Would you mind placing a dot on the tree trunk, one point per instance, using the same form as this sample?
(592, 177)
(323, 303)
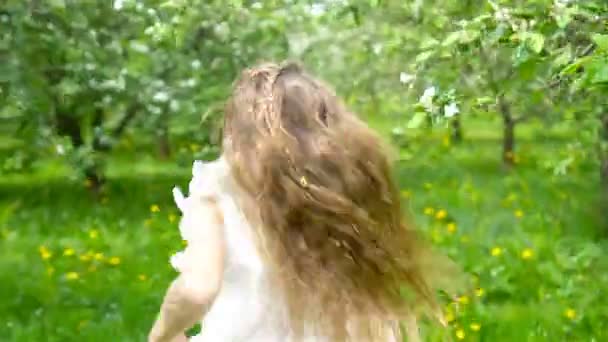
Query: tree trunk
(508, 138)
(456, 129)
(604, 155)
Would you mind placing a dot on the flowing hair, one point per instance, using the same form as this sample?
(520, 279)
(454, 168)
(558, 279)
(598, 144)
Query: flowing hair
(325, 208)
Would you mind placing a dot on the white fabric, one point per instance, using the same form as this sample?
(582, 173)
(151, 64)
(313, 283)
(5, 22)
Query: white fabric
(244, 310)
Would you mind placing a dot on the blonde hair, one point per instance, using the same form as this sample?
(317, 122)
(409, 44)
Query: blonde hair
(327, 208)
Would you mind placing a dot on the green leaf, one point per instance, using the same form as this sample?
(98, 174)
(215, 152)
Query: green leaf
(601, 40)
(57, 3)
(576, 64)
(422, 57)
(534, 40)
(417, 120)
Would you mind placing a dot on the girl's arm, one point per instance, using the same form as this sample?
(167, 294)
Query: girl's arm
(190, 295)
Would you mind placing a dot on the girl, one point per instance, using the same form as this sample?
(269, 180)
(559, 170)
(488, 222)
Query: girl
(296, 233)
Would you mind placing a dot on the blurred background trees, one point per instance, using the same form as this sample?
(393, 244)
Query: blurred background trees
(78, 78)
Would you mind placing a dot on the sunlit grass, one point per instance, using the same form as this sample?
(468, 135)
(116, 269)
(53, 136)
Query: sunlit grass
(72, 268)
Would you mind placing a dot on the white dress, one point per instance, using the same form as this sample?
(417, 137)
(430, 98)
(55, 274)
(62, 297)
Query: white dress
(244, 310)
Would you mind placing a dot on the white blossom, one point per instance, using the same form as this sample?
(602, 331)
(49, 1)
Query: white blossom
(196, 64)
(161, 96)
(60, 149)
(140, 47)
(426, 100)
(450, 110)
(406, 78)
(118, 4)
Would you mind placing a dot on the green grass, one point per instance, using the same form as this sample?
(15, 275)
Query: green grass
(548, 283)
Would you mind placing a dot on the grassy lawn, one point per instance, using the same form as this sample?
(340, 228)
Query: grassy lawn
(75, 269)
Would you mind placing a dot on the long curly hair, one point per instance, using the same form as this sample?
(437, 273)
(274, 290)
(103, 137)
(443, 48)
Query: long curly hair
(326, 208)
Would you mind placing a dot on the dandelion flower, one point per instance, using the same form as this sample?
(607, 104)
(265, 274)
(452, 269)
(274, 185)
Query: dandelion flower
(114, 261)
(480, 292)
(45, 254)
(98, 256)
(496, 251)
(451, 227)
(570, 313)
(429, 211)
(69, 252)
(93, 234)
(464, 300)
(441, 214)
(475, 326)
(72, 276)
(154, 208)
(519, 213)
(446, 140)
(527, 254)
(460, 334)
(172, 218)
(142, 277)
(449, 316)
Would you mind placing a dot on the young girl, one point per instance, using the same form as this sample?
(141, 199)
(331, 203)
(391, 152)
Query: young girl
(296, 232)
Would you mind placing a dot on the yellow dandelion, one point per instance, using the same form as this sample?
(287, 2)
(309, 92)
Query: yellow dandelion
(68, 252)
(475, 326)
(154, 208)
(72, 276)
(460, 334)
(519, 213)
(527, 254)
(45, 254)
(429, 211)
(446, 140)
(93, 234)
(441, 214)
(98, 256)
(114, 261)
(451, 227)
(449, 316)
(464, 300)
(480, 292)
(570, 313)
(172, 218)
(142, 277)
(496, 251)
